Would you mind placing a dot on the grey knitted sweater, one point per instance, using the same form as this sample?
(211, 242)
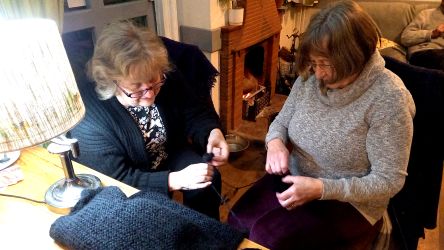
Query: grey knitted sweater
(356, 139)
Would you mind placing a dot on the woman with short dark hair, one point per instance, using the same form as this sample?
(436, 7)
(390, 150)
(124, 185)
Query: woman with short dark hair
(349, 121)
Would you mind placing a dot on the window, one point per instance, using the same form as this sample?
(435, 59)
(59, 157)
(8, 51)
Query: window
(82, 24)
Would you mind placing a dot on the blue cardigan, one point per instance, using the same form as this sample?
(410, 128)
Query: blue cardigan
(110, 141)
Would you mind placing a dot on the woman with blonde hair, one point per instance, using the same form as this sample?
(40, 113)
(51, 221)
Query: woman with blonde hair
(144, 124)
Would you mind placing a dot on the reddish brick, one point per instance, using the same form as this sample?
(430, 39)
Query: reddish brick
(262, 26)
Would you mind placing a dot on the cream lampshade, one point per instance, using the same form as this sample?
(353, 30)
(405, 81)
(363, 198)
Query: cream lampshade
(39, 100)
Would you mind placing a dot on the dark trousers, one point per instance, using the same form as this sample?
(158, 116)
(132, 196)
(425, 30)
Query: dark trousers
(205, 200)
(432, 59)
(315, 225)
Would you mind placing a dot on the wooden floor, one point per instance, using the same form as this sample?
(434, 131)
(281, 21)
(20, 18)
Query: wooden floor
(240, 174)
(434, 239)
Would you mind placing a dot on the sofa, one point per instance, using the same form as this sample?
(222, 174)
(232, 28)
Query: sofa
(392, 17)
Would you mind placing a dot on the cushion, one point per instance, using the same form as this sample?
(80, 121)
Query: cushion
(392, 49)
(390, 17)
(396, 53)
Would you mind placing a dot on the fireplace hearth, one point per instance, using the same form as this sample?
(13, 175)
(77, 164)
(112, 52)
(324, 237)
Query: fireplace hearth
(259, 34)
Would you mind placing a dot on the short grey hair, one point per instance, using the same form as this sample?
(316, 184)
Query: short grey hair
(126, 50)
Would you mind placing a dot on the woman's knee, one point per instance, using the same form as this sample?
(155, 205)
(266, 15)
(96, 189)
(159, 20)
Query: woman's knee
(315, 225)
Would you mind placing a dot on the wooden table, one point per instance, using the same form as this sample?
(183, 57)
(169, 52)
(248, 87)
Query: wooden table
(25, 224)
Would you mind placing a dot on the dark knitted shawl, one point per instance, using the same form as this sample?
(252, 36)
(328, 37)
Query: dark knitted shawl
(106, 219)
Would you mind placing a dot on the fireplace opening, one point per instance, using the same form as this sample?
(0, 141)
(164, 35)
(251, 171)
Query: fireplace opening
(255, 95)
(253, 70)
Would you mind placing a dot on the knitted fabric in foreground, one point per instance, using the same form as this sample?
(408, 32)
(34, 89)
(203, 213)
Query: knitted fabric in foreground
(106, 219)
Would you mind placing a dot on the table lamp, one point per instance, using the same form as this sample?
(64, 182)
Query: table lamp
(40, 101)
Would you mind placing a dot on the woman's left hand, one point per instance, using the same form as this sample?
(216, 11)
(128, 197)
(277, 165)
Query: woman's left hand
(302, 190)
(218, 146)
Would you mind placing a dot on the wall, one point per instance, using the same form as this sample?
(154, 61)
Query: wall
(199, 24)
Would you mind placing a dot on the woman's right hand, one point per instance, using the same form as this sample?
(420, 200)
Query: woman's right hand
(277, 157)
(194, 176)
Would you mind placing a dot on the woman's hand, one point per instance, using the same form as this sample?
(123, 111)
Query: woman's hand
(302, 190)
(218, 146)
(277, 157)
(194, 176)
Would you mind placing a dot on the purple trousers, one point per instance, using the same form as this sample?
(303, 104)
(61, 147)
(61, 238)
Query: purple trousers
(316, 225)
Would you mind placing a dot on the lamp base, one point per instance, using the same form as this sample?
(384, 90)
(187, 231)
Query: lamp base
(7, 159)
(65, 193)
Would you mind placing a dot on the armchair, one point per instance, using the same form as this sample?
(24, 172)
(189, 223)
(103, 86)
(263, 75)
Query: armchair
(415, 206)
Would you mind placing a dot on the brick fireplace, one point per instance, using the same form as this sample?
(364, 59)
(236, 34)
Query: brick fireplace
(261, 28)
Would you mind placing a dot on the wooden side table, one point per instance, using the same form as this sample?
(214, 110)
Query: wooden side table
(25, 224)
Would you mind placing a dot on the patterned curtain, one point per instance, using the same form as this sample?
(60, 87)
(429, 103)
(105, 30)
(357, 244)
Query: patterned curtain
(51, 9)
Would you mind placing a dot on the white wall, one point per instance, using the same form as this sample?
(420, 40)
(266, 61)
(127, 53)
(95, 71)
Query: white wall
(203, 14)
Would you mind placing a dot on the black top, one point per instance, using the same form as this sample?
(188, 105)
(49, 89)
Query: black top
(154, 135)
(110, 141)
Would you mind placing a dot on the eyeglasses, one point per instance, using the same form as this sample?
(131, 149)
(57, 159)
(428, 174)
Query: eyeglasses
(320, 66)
(141, 93)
